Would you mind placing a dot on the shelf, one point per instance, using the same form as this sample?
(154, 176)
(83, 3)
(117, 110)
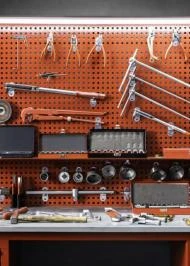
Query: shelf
(85, 157)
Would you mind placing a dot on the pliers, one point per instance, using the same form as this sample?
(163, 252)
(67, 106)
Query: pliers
(98, 46)
(73, 48)
(49, 47)
(176, 41)
(150, 44)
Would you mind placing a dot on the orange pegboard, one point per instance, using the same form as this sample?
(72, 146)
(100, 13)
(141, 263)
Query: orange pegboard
(120, 42)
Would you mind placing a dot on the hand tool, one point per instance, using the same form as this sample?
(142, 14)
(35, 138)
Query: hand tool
(44, 175)
(50, 75)
(19, 38)
(5, 111)
(93, 177)
(74, 49)
(14, 192)
(157, 173)
(187, 221)
(16, 213)
(78, 175)
(11, 87)
(130, 70)
(176, 42)
(19, 191)
(126, 172)
(50, 218)
(134, 77)
(176, 171)
(166, 217)
(131, 97)
(108, 171)
(98, 47)
(145, 221)
(114, 215)
(153, 217)
(7, 214)
(49, 48)
(64, 175)
(150, 44)
(72, 192)
(30, 114)
(171, 128)
(90, 216)
(133, 62)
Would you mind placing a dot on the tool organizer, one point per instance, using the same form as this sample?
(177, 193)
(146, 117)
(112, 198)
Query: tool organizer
(120, 42)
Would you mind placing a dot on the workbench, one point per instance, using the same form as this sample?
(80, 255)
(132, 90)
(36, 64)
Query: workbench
(174, 235)
(22, 44)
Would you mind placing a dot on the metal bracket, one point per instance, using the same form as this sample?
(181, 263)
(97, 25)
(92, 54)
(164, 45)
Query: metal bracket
(74, 43)
(127, 194)
(50, 42)
(45, 196)
(93, 102)
(171, 130)
(103, 196)
(176, 38)
(98, 124)
(136, 115)
(75, 194)
(10, 92)
(98, 43)
(132, 67)
(132, 87)
(151, 32)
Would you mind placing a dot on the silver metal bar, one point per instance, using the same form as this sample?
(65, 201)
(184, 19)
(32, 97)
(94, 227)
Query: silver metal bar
(160, 105)
(161, 89)
(68, 192)
(151, 117)
(125, 76)
(126, 103)
(131, 62)
(124, 93)
(162, 73)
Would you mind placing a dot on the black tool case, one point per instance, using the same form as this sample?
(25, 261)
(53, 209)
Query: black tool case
(126, 143)
(62, 143)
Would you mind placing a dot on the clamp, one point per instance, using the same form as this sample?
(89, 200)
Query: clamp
(74, 49)
(175, 42)
(49, 47)
(98, 46)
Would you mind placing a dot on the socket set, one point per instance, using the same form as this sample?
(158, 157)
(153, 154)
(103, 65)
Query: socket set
(117, 143)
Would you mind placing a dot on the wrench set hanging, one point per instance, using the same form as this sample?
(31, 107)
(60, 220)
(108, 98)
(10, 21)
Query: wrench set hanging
(86, 149)
(130, 93)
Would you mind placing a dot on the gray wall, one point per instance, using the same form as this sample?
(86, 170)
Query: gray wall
(95, 8)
